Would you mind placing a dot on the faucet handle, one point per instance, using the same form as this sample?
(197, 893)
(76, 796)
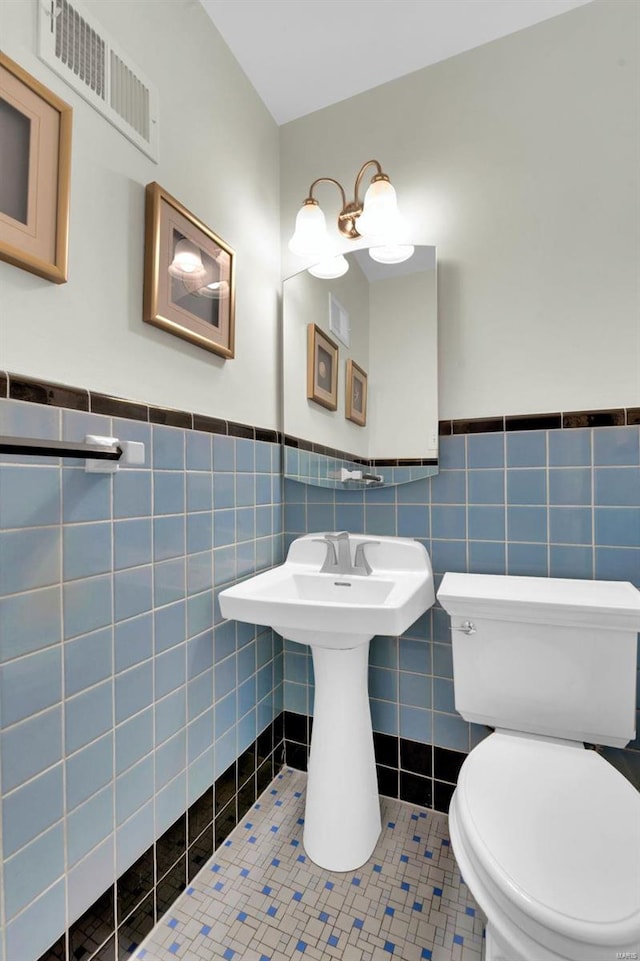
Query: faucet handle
(329, 543)
(338, 536)
(361, 564)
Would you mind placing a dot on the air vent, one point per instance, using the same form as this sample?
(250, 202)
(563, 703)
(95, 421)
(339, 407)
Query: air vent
(76, 47)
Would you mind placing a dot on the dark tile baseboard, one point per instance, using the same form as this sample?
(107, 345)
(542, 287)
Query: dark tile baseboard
(113, 927)
(407, 770)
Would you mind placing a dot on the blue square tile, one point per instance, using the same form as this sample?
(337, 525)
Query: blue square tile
(132, 542)
(617, 486)
(85, 497)
(88, 825)
(527, 524)
(486, 486)
(199, 532)
(448, 556)
(572, 562)
(131, 493)
(89, 770)
(380, 519)
(527, 560)
(570, 525)
(449, 487)
(33, 870)
(617, 526)
(570, 448)
(170, 626)
(224, 527)
(487, 557)
(133, 592)
(224, 456)
(168, 537)
(29, 622)
(32, 809)
(134, 690)
(87, 605)
(224, 490)
(133, 641)
(169, 581)
(526, 486)
(134, 740)
(28, 748)
(245, 490)
(199, 613)
(168, 448)
(170, 670)
(443, 699)
(618, 564)
(88, 716)
(485, 450)
(486, 523)
(168, 492)
(87, 661)
(137, 431)
(415, 656)
(413, 520)
(570, 486)
(383, 684)
(245, 454)
(451, 731)
(448, 523)
(451, 451)
(245, 523)
(20, 419)
(384, 717)
(198, 450)
(86, 550)
(199, 491)
(616, 446)
(415, 724)
(442, 660)
(38, 925)
(415, 690)
(19, 550)
(29, 496)
(527, 448)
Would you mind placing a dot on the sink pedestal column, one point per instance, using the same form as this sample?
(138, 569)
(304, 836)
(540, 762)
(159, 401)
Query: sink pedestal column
(342, 816)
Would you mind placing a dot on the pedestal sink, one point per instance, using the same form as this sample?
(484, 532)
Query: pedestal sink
(337, 615)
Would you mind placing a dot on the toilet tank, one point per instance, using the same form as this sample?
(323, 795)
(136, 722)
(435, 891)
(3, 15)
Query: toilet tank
(545, 655)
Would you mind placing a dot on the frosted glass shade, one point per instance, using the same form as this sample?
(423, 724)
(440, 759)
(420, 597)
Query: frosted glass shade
(187, 260)
(391, 253)
(310, 238)
(380, 212)
(331, 268)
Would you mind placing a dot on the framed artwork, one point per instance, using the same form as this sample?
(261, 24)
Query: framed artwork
(339, 320)
(322, 368)
(189, 286)
(356, 399)
(35, 165)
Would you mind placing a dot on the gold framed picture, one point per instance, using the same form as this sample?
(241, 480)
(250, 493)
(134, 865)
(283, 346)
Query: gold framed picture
(322, 368)
(189, 275)
(355, 408)
(35, 178)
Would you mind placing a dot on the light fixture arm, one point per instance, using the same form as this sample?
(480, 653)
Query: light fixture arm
(327, 180)
(348, 216)
(380, 176)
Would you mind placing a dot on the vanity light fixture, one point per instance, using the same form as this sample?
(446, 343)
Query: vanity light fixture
(187, 260)
(376, 218)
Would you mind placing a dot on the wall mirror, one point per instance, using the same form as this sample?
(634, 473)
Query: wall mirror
(359, 379)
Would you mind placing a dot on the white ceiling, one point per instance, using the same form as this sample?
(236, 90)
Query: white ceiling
(301, 55)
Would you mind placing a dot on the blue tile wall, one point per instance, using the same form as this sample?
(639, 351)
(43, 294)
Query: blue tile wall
(114, 715)
(561, 503)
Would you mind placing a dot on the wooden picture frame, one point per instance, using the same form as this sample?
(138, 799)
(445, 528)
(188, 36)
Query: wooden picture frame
(189, 275)
(355, 408)
(35, 160)
(322, 368)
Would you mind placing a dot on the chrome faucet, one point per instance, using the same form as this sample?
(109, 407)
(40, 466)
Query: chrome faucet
(338, 559)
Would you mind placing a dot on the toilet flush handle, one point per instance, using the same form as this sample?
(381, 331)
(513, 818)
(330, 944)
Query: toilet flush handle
(467, 627)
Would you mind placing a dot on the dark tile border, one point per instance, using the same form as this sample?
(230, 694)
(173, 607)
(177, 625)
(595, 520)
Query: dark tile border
(407, 770)
(122, 916)
(299, 443)
(570, 420)
(16, 387)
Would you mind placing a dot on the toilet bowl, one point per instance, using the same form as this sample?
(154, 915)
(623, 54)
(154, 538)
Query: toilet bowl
(547, 833)
(547, 836)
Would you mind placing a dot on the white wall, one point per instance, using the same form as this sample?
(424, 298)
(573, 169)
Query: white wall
(403, 401)
(519, 160)
(219, 155)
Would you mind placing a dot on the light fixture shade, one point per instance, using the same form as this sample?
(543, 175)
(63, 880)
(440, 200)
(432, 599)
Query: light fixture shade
(187, 260)
(391, 253)
(331, 268)
(379, 216)
(310, 238)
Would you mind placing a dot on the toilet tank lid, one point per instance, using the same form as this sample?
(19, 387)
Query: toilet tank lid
(549, 600)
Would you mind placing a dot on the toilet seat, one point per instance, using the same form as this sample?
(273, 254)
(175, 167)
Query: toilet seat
(552, 832)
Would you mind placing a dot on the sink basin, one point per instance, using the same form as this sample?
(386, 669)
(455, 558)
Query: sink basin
(337, 615)
(335, 610)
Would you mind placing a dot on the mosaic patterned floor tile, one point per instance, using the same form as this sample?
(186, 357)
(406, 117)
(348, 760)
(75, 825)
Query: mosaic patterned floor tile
(260, 898)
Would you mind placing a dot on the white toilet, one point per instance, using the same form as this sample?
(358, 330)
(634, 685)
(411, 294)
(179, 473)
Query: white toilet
(546, 833)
